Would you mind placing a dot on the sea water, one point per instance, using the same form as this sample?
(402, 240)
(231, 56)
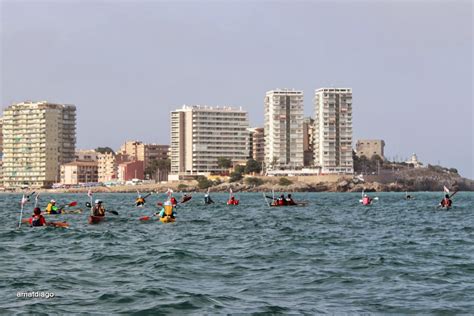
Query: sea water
(333, 255)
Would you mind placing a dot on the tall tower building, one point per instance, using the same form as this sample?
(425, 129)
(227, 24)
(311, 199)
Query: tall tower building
(284, 129)
(37, 138)
(333, 130)
(202, 134)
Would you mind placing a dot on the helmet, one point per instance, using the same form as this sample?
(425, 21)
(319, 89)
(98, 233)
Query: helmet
(447, 196)
(365, 195)
(139, 196)
(37, 211)
(98, 201)
(52, 201)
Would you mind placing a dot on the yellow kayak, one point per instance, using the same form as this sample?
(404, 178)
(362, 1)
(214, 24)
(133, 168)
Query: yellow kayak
(167, 219)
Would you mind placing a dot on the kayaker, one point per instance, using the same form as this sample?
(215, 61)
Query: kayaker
(232, 201)
(446, 202)
(185, 198)
(37, 219)
(140, 201)
(98, 209)
(366, 200)
(289, 200)
(281, 201)
(207, 199)
(52, 208)
(171, 211)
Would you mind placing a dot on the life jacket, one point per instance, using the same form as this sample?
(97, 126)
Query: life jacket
(99, 211)
(51, 208)
(366, 200)
(233, 202)
(280, 202)
(446, 202)
(168, 210)
(37, 220)
(290, 202)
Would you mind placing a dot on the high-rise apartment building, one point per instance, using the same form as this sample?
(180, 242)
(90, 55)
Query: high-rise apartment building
(308, 141)
(256, 144)
(202, 134)
(37, 138)
(333, 130)
(284, 129)
(1, 137)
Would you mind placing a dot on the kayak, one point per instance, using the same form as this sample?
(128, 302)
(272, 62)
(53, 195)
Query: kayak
(297, 204)
(185, 199)
(95, 219)
(78, 211)
(51, 224)
(59, 224)
(167, 219)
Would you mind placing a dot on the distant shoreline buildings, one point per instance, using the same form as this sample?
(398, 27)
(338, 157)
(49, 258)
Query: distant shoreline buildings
(37, 143)
(37, 138)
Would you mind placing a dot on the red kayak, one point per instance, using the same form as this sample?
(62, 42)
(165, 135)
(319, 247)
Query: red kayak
(95, 219)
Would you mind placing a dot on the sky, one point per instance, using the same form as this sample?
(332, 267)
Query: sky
(127, 64)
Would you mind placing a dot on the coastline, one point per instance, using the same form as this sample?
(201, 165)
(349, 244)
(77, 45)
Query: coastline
(342, 184)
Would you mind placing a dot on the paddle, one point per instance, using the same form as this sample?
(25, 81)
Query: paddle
(74, 203)
(108, 211)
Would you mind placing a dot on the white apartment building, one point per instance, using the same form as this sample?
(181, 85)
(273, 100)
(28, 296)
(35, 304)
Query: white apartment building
(333, 130)
(37, 138)
(202, 134)
(284, 129)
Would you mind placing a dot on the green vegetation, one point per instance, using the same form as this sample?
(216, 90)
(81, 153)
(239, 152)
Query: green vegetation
(253, 181)
(284, 181)
(204, 183)
(182, 187)
(252, 166)
(157, 165)
(365, 165)
(235, 176)
(104, 150)
(224, 163)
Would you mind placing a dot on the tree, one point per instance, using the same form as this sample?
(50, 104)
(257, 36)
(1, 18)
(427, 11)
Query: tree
(224, 163)
(104, 150)
(253, 165)
(239, 169)
(203, 182)
(235, 176)
(157, 164)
